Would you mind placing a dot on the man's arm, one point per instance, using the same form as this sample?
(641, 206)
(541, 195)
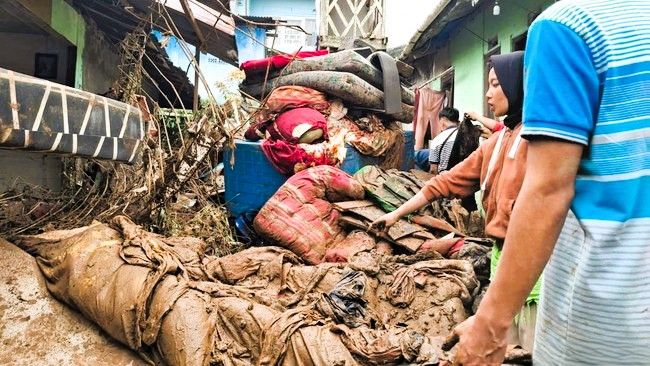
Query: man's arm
(433, 168)
(536, 221)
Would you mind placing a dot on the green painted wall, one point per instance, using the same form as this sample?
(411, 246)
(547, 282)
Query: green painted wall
(467, 51)
(71, 25)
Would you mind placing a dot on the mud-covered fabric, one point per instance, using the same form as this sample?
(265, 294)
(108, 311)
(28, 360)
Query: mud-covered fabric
(300, 216)
(262, 306)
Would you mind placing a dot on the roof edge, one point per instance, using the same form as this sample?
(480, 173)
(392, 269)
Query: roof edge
(406, 53)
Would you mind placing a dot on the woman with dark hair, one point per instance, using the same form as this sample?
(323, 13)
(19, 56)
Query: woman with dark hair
(496, 169)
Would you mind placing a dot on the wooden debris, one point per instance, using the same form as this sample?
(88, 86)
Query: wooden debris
(412, 244)
(349, 205)
(435, 223)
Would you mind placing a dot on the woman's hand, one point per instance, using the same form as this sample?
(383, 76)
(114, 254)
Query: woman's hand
(473, 115)
(485, 132)
(385, 222)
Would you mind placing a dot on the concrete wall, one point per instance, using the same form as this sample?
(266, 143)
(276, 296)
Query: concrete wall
(66, 21)
(20, 52)
(467, 51)
(100, 60)
(22, 167)
(467, 48)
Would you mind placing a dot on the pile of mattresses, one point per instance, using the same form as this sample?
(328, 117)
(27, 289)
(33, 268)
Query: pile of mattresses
(312, 108)
(367, 83)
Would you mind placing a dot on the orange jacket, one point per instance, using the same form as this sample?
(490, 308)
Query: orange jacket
(502, 187)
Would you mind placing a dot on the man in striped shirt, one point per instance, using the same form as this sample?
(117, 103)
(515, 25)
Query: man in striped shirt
(585, 200)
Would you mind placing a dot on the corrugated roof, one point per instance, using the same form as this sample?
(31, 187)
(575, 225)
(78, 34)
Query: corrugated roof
(117, 20)
(437, 27)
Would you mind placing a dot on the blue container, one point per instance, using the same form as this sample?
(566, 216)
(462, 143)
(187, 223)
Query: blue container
(355, 160)
(409, 151)
(253, 180)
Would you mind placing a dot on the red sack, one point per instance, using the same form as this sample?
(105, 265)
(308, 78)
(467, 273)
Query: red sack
(277, 62)
(300, 216)
(289, 159)
(294, 96)
(291, 125)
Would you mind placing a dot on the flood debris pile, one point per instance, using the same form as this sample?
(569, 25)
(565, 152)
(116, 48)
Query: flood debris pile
(311, 107)
(173, 188)
(314, 211)
(164, 298)
(322, 214)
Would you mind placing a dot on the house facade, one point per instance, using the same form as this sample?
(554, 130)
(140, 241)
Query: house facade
(450, 51)
(301, 13)
(51, 40)
(75, 44)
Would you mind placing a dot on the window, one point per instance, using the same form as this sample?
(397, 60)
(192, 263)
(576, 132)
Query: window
(496, 50)
(290, 40)
(492, 43)
(447, 85)
(519, 42)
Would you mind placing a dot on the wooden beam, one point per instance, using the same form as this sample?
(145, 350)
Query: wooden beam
(197, 56)
(195, 25)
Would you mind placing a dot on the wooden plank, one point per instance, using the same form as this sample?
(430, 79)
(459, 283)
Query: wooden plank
(190, 16)
(424, 235)
(410, 243)
(354, 222)
(349, 205)
(435, 223)
(400, 230)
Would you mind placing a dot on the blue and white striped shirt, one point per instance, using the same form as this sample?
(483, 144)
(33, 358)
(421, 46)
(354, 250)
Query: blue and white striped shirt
(587, 80)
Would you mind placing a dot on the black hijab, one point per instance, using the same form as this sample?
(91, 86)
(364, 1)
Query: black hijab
(509, 69)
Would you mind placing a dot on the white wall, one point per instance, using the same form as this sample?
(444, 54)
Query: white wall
(403, 17)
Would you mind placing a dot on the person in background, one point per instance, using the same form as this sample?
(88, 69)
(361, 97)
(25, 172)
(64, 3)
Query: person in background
(584, 206)
(448, 117)
(440, 147)
(497, 168)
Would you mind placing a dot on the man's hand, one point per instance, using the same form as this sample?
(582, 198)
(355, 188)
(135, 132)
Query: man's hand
(385, 222)
(480, 342)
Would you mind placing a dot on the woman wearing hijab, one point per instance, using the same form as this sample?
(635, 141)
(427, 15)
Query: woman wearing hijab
(496, 169)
